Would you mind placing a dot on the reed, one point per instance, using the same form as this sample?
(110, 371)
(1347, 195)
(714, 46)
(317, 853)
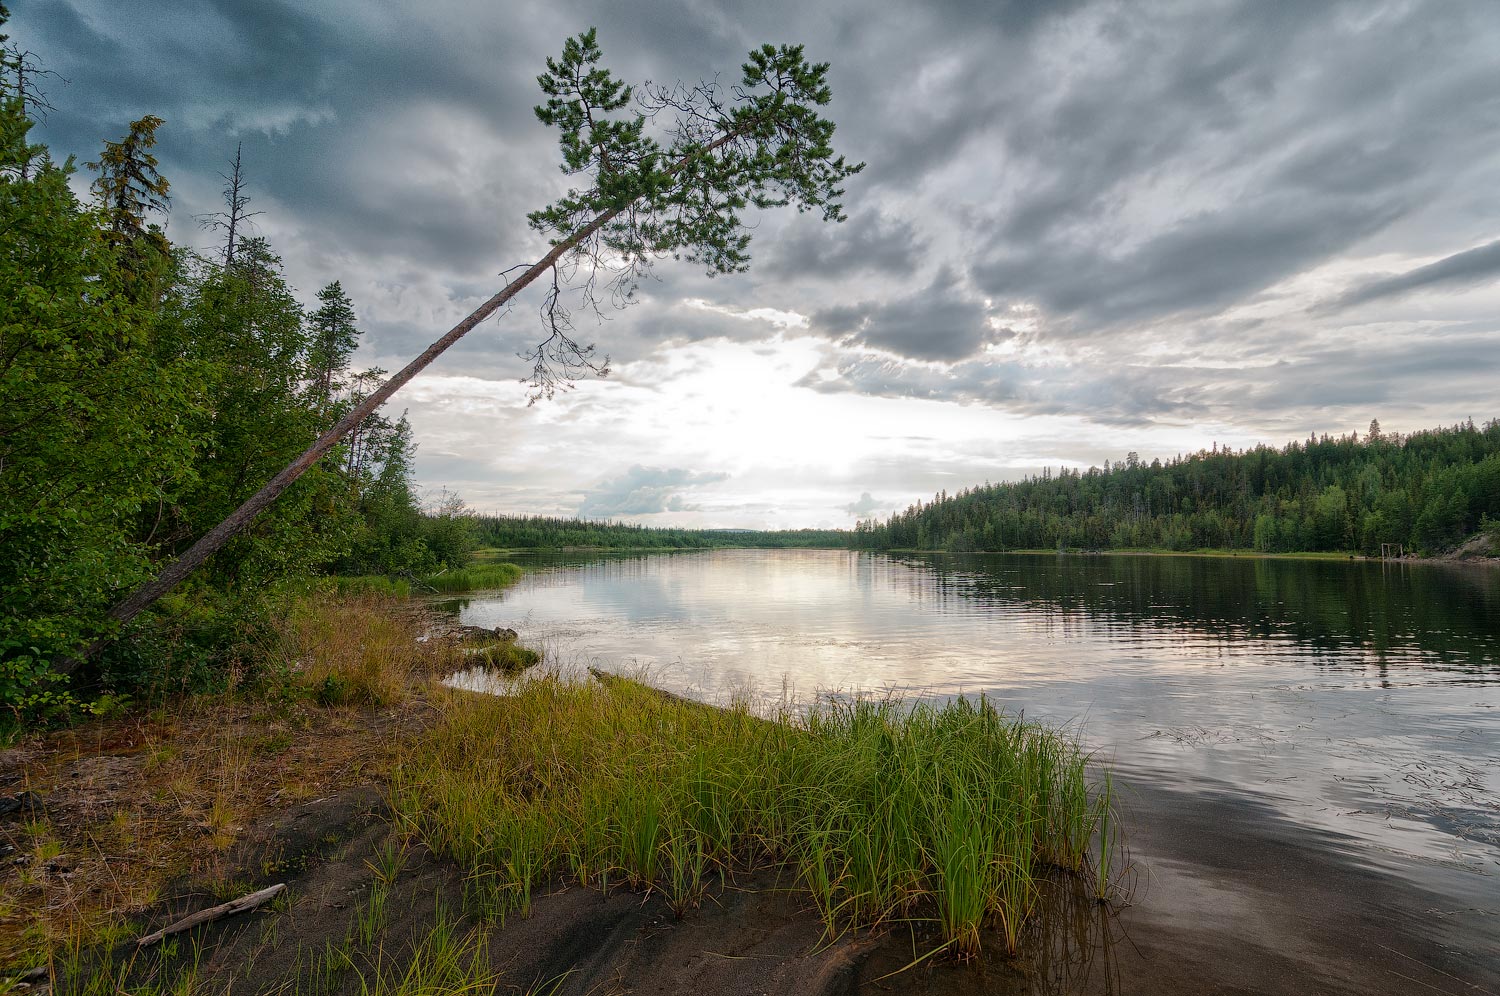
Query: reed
(882, 810)
(475, 577)
(366, 584)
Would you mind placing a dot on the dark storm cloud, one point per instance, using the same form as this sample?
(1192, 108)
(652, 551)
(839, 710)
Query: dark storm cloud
(1202, 264)
(869, 241)
(357, 127)
(1286, 132)
(1123, 176)
(644, 491)
(941, 322)
(1461, 369)
(1321, 381)
(1462, 269)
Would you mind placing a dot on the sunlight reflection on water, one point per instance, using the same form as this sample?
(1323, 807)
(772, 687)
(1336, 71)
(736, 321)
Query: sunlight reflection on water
(1361, 698)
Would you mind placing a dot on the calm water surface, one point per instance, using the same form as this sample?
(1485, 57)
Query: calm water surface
(1357, 698)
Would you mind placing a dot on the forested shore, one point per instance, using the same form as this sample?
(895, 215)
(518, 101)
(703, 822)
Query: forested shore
(1426, 491)
(146, 387)
(541, 532)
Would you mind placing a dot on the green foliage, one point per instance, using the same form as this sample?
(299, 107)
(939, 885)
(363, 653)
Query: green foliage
(203, 638)
(144, 393)
(245, 330)
(1490, 528)
(90, 425)
(333, 339)
(764, 146)
(129, 186)
(1428, 491)
(681, 193)
(368, 584)
(549, 533)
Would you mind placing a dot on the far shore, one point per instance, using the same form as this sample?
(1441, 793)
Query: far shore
(1325, 555)
(1332, 556)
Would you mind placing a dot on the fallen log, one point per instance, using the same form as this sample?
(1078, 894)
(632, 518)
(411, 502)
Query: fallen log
(230, 908)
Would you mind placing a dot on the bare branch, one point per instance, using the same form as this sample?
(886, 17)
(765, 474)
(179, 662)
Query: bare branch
(234, 218)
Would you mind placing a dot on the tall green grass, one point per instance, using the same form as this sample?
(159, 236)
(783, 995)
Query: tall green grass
(474, 577)
(883, 811)
(366, 584)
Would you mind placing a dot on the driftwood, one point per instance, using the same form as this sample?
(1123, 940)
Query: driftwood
(230, 908)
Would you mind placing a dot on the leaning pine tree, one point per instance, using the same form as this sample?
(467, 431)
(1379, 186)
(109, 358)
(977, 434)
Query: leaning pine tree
(761, 144)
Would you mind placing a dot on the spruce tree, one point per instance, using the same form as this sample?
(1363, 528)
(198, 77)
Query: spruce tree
(332, 341)
(761, 144)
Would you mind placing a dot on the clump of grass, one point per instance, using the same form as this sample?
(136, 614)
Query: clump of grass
(390, 860)
(368, 584)
(356, 650)
(507, 656)
(448, 961)
(884, 811)
(81, 969)
(475, 577)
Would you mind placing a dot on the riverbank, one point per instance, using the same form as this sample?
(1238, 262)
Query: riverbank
(737, 833)
(1220, 894)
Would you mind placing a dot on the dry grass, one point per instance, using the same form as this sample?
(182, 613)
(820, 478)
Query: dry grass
(139, 804)
(363, 649)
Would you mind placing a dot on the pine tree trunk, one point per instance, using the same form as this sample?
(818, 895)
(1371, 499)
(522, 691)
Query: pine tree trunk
(173, 575)
(215, 538)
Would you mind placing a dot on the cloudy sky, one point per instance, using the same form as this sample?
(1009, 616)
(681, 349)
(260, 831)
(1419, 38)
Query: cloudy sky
(1085, 228)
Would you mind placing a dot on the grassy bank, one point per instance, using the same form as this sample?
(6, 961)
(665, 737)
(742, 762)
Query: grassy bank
(880, 812)
(475, 577)
(129, 810)
(485, 573)
(875, 813)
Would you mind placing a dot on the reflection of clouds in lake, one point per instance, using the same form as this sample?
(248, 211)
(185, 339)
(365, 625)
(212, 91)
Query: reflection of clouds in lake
(1349, 697)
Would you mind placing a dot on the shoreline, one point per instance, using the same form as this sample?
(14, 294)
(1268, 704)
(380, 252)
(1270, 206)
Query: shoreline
(1228, 895)
(1315, 556)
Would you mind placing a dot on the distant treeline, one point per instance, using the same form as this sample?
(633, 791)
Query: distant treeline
(1428, 491)
(542, 532)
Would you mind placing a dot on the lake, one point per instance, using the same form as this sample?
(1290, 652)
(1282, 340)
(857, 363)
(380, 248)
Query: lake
(1358, 702)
